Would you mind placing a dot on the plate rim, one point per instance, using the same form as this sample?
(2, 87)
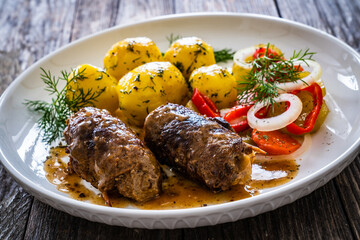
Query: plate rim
(198, 211)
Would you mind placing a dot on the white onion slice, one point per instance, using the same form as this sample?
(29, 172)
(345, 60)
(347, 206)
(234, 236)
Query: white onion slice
(315, 73)
(242, 54)
(277, 122)
(224, 111)
(303, 148)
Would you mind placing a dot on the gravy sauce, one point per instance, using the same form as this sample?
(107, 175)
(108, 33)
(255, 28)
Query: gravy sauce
(178, 192)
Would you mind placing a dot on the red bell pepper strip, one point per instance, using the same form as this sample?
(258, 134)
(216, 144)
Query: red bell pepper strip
(310, 120)
(299, 68)
(260, 52)
(204, 104)
(236, 117)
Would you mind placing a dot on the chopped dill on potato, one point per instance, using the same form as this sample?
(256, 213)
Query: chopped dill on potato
(221, 55)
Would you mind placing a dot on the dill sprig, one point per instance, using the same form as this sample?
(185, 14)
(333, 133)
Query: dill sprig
(224, 55)
(221, 55)
(172, 38)
(260, 84)
(65, 101)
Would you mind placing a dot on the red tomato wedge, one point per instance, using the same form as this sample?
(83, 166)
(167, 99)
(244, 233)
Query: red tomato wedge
(275, 142)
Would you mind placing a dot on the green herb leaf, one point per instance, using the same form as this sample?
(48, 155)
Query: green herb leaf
(172, 38)
(224, 55)
(260, 84)
(65, 101)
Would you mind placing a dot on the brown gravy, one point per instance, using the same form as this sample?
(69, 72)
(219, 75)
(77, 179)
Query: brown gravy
(178, 192)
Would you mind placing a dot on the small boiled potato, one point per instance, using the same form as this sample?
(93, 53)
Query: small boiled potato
(130, 53)
(88, 80)
(242, 62)
(190, 53)
(148, 87)
(216, 83)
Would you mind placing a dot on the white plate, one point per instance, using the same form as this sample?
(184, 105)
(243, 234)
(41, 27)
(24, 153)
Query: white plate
(334, 146)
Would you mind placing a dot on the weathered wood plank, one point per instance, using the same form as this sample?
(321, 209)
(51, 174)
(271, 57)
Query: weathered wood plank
(341, 19)
(140, 10)
(15, 206)
(347, 184)
(93, 16)
(266, 7)
(35, 29)
(338, 18)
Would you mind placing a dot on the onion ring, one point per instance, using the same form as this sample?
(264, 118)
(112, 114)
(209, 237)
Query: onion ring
(277, 122)
(303, 148)
(310, 66)
(224, 111)
(241, 55)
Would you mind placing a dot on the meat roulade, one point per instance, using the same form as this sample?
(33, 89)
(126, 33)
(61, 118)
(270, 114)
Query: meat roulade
(202, 148)
(106, 153)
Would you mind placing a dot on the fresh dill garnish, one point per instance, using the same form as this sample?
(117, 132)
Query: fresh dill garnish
(223, 55)
(260, 84)
(65, 101)
(172, 38)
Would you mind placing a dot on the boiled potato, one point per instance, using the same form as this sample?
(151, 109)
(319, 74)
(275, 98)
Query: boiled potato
(216, 83)
(130, 53)
(148, 87)
(242, 62)
(190, 53)
(95, 83)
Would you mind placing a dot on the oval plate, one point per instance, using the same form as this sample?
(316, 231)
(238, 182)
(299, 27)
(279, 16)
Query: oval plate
(334, 146)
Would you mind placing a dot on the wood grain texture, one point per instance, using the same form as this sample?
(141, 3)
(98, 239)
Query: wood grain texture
(265, 7)
(338, 18)
(15, 206)
(347, 185)
(39, 27)
(92, 19)
(140, 10)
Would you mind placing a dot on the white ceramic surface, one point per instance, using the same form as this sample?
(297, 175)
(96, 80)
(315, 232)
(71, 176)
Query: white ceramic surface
(334, 146)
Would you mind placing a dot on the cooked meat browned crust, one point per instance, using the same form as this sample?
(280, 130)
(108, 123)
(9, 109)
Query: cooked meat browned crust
(105, 152)
(197, 146)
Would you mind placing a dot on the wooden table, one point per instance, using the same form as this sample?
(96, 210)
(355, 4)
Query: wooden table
(30, 30)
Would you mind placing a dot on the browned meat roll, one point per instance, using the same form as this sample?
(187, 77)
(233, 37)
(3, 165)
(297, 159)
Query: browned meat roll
(199, 147)
(105, 152)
